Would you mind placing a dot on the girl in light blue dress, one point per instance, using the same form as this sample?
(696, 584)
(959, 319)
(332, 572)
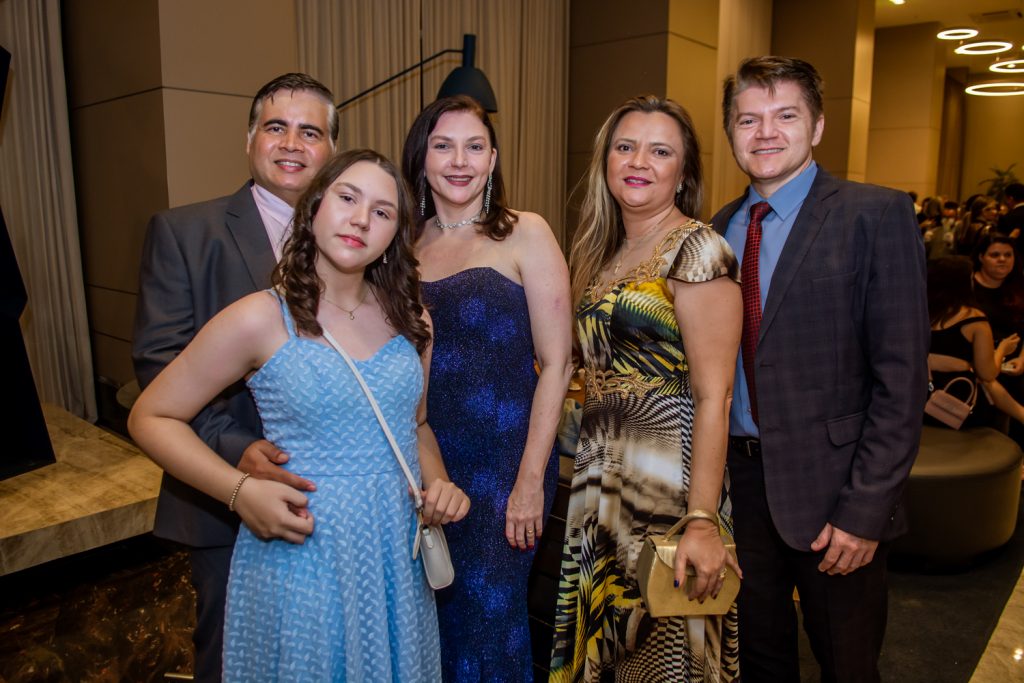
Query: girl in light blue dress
(323, 586)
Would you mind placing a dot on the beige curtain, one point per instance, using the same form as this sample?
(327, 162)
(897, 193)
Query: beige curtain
(38, 196)
(522, 46)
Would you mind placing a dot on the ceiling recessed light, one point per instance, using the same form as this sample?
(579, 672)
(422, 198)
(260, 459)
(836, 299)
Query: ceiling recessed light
(1000, 89)
(897, 2)
(957, 33)
(983, 47)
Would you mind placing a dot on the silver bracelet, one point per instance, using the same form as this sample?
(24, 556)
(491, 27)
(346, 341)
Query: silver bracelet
(234, 494)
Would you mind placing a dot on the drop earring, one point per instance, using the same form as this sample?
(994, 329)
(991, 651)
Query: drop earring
(423, 204)
(487, 194)
(679, 187)
(385, 259)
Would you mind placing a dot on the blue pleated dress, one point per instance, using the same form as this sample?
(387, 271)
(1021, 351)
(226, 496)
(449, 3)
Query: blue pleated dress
(350, 604)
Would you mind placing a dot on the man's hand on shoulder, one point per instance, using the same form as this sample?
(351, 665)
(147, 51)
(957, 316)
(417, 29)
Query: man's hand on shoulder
(846, 553)
(263, 460)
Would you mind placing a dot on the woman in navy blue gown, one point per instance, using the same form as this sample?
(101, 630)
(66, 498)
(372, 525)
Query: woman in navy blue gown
(497, 287)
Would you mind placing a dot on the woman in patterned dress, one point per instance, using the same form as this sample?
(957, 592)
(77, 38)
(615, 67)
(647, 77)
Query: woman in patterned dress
(648, 278)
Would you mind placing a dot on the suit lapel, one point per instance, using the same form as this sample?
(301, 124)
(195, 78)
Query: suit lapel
(805, 230)
(246, 226)
(720, 221)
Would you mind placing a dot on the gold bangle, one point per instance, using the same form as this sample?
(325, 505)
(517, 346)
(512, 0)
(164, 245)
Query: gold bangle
(700, 514)
(234, 494)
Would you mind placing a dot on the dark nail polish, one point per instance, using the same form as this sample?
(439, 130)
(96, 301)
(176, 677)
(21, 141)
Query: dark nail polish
(675, 583)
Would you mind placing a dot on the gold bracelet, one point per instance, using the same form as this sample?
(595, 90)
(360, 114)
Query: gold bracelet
(700, 514)
(234, 494)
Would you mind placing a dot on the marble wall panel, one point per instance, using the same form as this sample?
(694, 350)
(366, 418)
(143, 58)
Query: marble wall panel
(111, 312)
(602, 76)
(112, 358)
(121, 180)
(205, 134)
(604, 21)
(228, 46)
(696, 20)
(111, 49)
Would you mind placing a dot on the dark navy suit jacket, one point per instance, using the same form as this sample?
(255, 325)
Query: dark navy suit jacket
(841, 365)
(196, 261)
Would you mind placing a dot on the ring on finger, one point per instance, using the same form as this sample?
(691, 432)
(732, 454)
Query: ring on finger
(722, 574)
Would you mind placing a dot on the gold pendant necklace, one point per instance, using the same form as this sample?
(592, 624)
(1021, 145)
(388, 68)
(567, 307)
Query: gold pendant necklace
(351, 313)
(639, 240)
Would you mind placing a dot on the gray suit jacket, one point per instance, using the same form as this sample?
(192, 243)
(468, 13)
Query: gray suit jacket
(841, 370)
(196, 261)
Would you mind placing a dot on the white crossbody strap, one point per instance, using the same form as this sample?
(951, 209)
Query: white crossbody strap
(413, 484)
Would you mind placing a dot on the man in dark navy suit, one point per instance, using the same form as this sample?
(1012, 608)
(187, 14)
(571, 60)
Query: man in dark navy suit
(198, 260)
(830, 382)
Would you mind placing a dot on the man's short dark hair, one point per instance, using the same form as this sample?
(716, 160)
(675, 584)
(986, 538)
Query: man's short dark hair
(767, 72)
(290, 83)
(1015, 191)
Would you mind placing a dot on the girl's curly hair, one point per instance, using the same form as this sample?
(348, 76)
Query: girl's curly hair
(396, 284)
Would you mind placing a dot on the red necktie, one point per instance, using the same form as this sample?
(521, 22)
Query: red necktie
(751, 289)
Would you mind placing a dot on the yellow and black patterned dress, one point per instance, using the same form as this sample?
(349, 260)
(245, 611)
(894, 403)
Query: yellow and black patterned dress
(632, 474)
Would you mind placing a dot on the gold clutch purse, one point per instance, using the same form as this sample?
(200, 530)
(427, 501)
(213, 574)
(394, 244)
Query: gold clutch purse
(655, 570)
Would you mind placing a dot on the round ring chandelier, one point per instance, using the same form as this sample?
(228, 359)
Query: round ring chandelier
(957, 33)
(999, 89)
(983, 47)
(1008, 66)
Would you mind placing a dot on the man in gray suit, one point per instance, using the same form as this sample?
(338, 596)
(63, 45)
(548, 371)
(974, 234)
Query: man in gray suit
(197, 260)
(830, 382)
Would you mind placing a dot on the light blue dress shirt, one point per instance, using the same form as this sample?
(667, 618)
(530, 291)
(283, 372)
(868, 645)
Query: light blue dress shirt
(775, 229)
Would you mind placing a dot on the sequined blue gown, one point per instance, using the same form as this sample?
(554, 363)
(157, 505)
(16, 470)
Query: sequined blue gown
(478, 403)
(350, 604)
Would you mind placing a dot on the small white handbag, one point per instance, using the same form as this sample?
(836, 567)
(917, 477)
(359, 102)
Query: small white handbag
(430, 540)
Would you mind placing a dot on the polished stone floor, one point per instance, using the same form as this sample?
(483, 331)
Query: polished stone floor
(119, 613)
(124, 613)
(1003, 659)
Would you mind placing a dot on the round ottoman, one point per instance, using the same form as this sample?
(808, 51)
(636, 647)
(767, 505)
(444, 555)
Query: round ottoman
(963, 494)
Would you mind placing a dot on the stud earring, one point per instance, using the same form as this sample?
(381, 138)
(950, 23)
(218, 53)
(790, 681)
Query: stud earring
(487, 194)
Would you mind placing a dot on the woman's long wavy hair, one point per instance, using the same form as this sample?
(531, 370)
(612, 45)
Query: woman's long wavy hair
(949, 288)
(396, 284)
(600, 232)
(499, 221)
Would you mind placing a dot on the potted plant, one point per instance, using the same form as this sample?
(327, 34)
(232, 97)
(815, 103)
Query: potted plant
(997, 183)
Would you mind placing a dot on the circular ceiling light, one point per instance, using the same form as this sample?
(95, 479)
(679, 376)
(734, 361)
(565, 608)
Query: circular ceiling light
(1008, 66)
(956, 33)
(983, 47)
(999, 89)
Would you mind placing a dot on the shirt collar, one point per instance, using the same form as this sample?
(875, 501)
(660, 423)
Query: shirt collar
(790, 196)
(267, 201)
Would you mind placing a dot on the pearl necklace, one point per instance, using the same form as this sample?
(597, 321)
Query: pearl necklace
(459, 224)
(351, 313)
